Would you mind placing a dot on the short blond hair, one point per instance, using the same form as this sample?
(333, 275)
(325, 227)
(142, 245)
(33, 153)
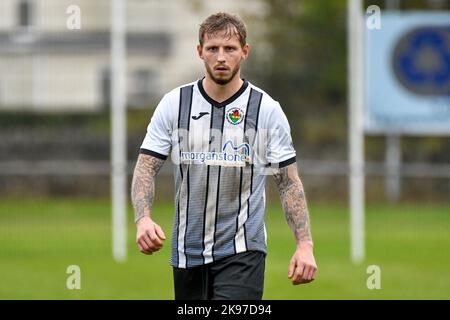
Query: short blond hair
(222, 21)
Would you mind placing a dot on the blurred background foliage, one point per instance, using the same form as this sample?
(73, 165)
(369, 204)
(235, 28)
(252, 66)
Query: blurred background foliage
(306, 71)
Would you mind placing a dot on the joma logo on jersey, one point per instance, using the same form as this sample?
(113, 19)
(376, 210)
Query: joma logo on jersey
(235, 116)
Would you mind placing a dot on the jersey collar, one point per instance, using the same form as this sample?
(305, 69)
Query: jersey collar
(223, 103)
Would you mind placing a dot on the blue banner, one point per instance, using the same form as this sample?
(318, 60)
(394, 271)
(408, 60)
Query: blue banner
(407, 71)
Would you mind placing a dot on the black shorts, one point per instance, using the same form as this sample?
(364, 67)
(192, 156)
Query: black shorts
(238, 277)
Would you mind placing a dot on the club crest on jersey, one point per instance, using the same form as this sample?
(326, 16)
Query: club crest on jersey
(235, 116)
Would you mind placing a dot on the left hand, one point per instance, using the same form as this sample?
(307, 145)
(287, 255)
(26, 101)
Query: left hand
(303, 267)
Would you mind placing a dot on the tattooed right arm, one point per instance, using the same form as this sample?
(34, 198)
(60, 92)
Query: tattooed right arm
(143, 185)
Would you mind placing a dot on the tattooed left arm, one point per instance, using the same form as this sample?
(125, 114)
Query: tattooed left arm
(303, 267)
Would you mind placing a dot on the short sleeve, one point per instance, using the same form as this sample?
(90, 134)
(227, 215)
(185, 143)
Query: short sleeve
(158, 140)
(280, 149)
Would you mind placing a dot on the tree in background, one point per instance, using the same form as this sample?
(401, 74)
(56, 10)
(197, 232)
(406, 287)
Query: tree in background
(300, 59)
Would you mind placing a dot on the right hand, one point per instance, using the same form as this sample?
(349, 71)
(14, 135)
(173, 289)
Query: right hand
(149, 236)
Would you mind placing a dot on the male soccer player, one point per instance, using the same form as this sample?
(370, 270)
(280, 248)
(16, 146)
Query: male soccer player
(223, 135)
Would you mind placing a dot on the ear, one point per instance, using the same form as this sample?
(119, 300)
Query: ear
(245, 51)
(200, 51)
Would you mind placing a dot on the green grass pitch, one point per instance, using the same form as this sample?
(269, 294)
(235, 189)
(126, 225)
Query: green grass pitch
(39, 239)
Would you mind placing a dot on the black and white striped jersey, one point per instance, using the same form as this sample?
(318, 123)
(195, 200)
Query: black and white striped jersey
(221, 153)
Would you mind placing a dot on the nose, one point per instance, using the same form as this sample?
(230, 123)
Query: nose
(221, 55)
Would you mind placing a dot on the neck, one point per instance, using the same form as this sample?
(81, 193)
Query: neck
(219, 92)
